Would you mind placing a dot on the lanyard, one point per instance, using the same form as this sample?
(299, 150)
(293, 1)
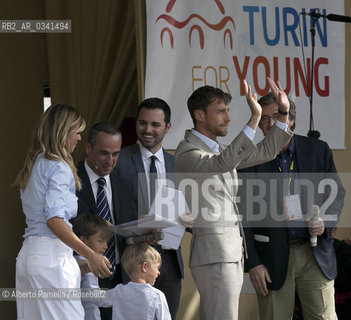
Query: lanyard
(291, 169)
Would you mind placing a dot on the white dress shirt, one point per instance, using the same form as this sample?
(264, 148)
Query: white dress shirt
(93, 177)
(159, 163)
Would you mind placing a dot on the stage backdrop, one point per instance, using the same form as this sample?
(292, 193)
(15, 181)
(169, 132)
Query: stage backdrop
(220, 42)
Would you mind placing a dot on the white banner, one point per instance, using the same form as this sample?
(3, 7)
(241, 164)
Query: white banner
(191, 43)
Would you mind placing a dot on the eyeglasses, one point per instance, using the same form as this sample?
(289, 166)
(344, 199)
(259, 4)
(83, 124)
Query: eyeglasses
(267, 119)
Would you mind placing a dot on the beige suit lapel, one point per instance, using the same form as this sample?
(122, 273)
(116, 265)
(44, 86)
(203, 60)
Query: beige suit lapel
(228, 176)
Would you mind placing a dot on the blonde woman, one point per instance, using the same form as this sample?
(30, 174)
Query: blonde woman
(48, 183)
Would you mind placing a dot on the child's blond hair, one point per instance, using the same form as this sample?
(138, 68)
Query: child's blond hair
(135, 255)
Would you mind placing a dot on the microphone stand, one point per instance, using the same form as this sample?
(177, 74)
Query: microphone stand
(313, 133)
(315, 15)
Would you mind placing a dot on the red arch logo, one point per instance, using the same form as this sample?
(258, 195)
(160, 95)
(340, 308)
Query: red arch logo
(197, 25)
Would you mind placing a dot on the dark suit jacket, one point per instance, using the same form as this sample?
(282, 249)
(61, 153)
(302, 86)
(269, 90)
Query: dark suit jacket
(124, 206)
(312, 156)
(129, 165)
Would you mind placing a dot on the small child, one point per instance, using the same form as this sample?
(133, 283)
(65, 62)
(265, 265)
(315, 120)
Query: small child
(95, 232)
(138, 299)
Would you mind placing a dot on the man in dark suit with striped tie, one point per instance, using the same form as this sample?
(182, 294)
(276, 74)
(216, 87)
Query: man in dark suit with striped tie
(105, 194)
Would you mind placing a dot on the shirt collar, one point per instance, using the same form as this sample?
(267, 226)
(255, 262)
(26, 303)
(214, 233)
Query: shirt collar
(213, 145)
(289, 152)
(146, 154)
(291, 147)
(93, 176)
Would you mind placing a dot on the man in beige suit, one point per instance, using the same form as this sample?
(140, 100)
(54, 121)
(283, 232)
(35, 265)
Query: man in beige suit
(217, 245)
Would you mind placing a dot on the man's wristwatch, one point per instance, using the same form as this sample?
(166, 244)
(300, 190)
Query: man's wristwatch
(284, 113)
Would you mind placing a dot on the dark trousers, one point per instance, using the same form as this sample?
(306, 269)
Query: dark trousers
(169, 280)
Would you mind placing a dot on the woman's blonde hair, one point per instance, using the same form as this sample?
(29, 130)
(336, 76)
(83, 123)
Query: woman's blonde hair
(50, 137)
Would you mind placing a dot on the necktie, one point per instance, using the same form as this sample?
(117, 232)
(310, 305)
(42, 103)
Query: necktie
(153, 177)
(104, 212)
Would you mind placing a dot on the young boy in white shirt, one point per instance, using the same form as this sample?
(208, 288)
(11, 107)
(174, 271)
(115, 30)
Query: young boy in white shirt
(95, 232)
(138, 299)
